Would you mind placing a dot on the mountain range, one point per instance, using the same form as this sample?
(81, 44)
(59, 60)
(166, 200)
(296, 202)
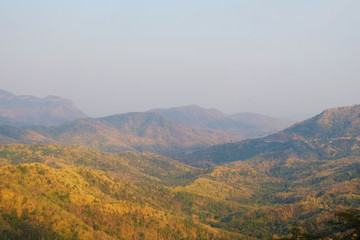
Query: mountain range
(174, 131)
(239, 125)
(254, 189)
(55, 183)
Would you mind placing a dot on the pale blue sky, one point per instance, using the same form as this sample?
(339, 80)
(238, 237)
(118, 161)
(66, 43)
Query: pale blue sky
(282, 58)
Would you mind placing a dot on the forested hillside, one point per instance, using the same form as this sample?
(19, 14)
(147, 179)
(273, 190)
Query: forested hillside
(57, 192)
(54, 191)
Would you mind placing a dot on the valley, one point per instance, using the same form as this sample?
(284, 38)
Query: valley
(105, 178)
(179, 120)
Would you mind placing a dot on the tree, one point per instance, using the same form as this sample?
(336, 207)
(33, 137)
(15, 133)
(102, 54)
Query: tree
(346, 225)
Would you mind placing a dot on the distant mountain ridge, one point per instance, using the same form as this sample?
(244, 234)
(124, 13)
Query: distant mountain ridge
(26, 110)
(192, 115)
(172, 132)
(244, 125)
(142, 132)
(334, 133)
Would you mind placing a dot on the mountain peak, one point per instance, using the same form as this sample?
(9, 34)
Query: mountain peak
(193, 108)
(332, 134)
(331, 123)
(6, 94)
(31, 110)
(197, 107)
(192, 114)
(332, 115)
(53, 98)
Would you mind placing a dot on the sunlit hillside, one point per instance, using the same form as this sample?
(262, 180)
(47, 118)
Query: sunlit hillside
(56, 192)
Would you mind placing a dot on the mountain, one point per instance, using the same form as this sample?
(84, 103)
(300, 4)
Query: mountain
(239, 126)
(29, 110)
(265, 125)
(332, 124)
(260, 189)
(192, 115)
(334, 133)
(172, 132)
(144, 132)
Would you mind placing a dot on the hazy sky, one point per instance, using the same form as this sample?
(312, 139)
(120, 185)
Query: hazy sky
(282, 58)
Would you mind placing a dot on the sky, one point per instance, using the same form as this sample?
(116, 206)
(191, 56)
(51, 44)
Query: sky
(283, 58)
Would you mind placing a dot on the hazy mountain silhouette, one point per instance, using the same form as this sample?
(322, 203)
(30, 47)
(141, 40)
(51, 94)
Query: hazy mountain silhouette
(175, 131)
(150, 132)
(29, 110)
(240, 125)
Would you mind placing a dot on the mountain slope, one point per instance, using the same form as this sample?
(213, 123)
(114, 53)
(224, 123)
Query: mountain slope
(239, 126)
(332, 134)
(30, 110)
(74, 192)
(40, 202)
(142, 132)
(172, 132)
(192, 115)
(332, 124)
(138, 166)
(299, 176)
